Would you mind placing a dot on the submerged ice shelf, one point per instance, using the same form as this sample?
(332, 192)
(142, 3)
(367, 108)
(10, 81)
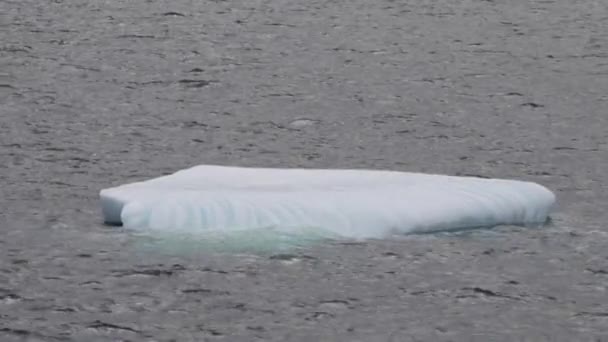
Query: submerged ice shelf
(334, 203)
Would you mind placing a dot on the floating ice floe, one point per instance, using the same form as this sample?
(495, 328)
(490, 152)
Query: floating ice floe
(216, 200)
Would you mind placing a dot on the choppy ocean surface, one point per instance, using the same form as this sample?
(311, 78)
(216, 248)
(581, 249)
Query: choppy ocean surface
(96, 94)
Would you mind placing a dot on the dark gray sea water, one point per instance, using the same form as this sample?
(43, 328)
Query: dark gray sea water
(99, 93)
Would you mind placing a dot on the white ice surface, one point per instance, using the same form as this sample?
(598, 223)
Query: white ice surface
(345, 203)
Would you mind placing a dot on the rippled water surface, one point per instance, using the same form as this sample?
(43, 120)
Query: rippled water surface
(99, 93)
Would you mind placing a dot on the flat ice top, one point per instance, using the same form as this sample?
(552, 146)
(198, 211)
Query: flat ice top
(344, 203)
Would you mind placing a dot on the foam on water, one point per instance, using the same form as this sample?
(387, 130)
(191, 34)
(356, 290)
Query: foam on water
(217, 201)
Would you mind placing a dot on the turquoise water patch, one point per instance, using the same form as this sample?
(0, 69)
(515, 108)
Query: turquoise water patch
(251, 241)
(272, 240)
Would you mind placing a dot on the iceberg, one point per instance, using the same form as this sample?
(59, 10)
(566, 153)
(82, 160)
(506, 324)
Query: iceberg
(357, 204)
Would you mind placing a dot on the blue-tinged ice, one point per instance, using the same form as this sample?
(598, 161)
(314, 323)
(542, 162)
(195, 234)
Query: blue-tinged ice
(342, 203)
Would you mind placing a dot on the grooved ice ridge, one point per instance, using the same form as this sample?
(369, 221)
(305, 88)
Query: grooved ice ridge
(343, 203)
